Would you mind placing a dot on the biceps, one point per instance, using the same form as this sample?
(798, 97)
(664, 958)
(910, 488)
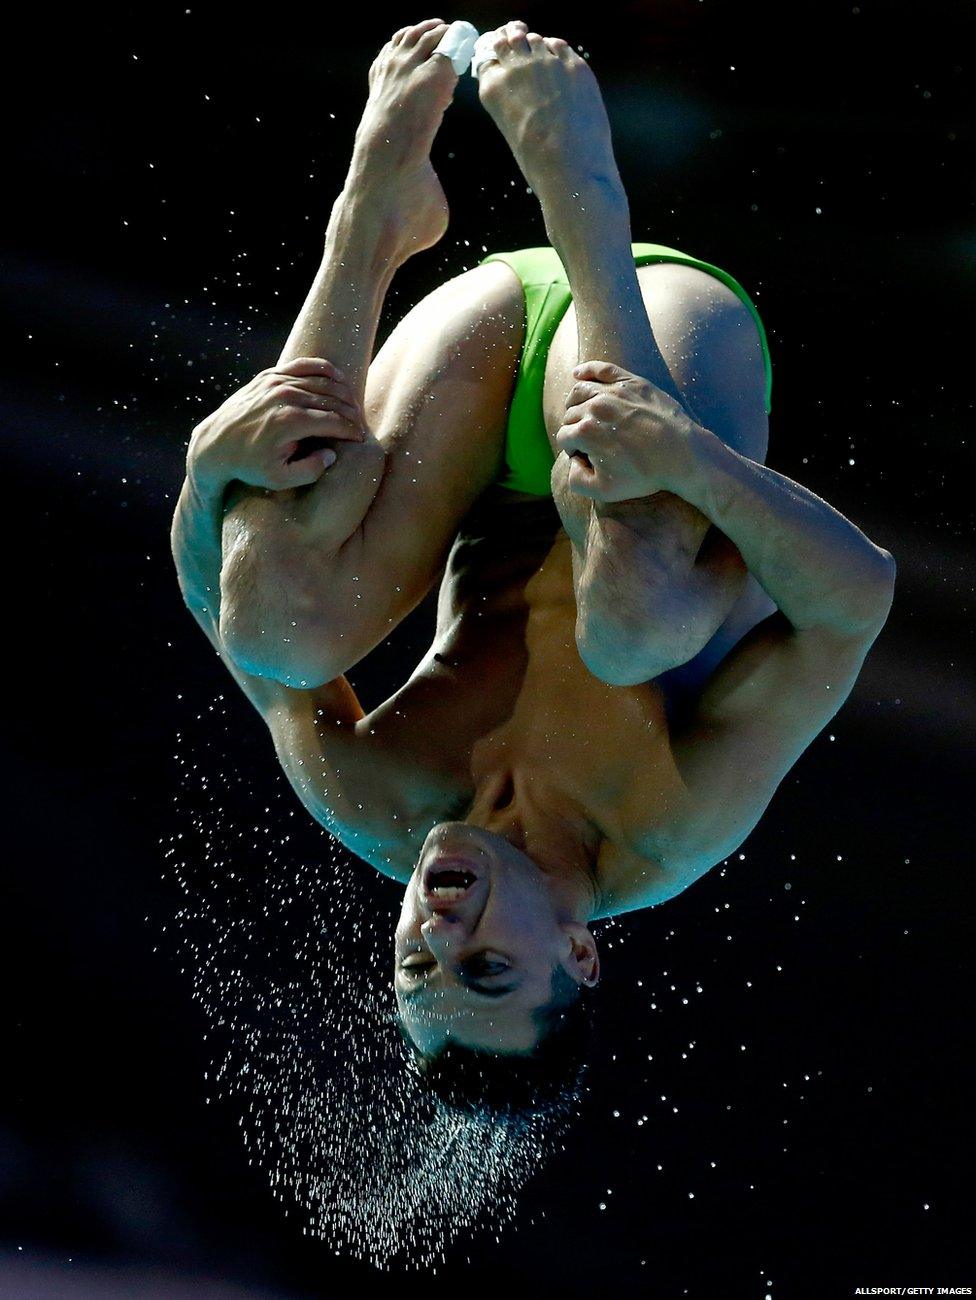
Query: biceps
(766, 702)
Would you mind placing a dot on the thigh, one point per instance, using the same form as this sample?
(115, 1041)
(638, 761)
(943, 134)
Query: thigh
(711, 346)
(437, 398)
(660, 546)
(436, 401)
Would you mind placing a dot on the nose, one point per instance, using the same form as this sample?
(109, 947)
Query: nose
(444, 936)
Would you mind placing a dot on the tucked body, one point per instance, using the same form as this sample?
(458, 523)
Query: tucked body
(623, 671)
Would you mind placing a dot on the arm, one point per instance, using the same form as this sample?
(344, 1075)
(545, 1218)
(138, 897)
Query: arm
(197, 542)
(817, 566)
(313, 730)
(788, 676)
(784, 681)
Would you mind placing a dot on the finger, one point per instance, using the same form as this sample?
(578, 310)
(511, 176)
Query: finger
(582, 391)
(301, 473)
(310, 366)
(572, 440)
(583, 478)
(288, 395)
(573, 414)
(604, 372)
(312, 423)
(319, 385)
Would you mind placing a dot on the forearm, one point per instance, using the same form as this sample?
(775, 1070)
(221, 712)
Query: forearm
(817, 566)
(196, 541)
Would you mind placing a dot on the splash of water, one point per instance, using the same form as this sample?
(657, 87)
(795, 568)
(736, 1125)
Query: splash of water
(287, 943)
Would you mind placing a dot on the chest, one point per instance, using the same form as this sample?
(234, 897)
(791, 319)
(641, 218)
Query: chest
(503, 695)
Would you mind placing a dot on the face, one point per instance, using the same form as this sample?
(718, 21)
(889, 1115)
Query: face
(477, 942)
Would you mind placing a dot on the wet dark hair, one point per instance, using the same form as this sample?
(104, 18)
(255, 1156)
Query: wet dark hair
(513, 1087)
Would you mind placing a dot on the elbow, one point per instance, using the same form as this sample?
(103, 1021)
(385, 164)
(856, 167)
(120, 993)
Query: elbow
(876, 594)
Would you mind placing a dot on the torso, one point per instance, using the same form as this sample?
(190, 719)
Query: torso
(503, 695)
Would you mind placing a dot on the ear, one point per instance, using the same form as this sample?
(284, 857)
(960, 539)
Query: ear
(583, 960)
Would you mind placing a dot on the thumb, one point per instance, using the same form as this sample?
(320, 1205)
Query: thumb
(301, 473)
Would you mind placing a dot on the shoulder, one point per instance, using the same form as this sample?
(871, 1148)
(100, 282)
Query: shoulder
(646, 873)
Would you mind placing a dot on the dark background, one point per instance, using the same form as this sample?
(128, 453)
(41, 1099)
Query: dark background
(169, 176)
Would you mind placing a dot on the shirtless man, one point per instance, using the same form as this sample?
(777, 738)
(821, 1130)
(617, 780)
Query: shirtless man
(623, 672)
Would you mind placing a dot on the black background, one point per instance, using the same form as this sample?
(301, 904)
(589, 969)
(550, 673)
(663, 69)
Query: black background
(169, 176)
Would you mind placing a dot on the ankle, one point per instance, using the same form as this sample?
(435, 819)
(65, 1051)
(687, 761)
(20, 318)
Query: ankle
(577, 215)
(583, 198)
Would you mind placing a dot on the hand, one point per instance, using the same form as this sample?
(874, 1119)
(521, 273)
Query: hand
(269, 433)
(624, 436)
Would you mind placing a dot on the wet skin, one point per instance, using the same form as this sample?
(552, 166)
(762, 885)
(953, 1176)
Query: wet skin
(471, 969)
(565, 797)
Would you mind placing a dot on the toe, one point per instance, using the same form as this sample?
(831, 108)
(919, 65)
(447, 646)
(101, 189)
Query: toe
(499, 45)
(413, 34)
(515, 36)
(429, 41)
(556, 45)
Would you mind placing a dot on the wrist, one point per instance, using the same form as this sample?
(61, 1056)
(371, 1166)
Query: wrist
(207, 475)
(691, 470)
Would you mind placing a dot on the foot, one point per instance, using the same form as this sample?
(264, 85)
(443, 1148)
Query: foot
(547, 104)
(410, 89)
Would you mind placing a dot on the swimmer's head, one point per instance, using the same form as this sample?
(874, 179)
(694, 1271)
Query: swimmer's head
(491, 956)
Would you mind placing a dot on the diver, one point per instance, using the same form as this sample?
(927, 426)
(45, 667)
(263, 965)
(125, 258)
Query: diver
(640, 625)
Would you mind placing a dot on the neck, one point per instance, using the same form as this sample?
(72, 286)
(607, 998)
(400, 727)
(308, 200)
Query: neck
(553, 830)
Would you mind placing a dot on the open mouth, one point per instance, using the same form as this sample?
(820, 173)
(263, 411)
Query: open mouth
(448, 879)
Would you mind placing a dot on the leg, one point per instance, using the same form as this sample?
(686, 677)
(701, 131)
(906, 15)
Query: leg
(313, 578)
(657, 586)
(649, 594)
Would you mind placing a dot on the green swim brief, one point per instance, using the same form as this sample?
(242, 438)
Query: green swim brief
(528, 457)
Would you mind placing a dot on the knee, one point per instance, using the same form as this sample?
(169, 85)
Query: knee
(624, 647)
(628, 633)
(274, 620)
